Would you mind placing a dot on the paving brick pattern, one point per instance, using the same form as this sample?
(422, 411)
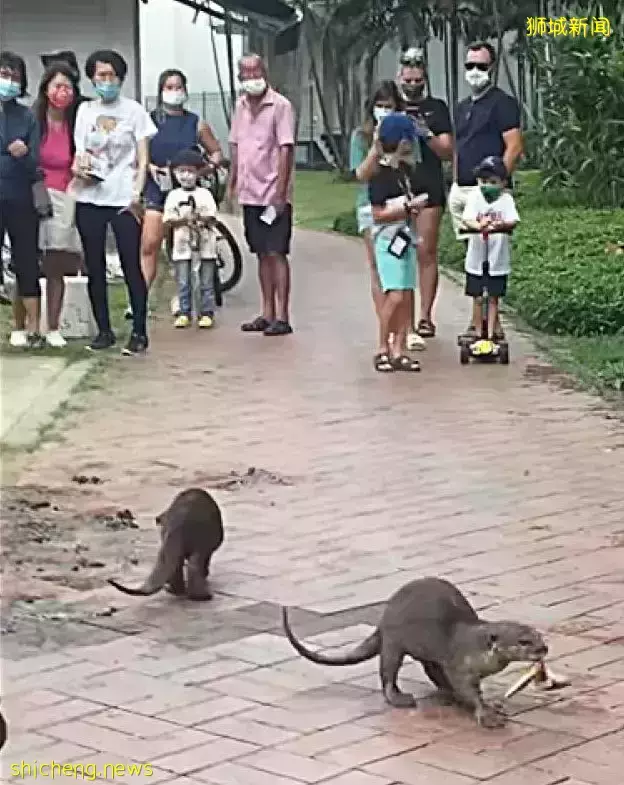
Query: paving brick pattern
(508, 486)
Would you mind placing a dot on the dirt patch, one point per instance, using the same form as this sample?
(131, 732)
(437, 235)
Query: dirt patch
(50, 544)
(253, 477)
(544, 372)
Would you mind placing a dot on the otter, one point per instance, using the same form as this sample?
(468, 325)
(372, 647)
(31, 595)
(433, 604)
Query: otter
(191, 530)
(430, 620)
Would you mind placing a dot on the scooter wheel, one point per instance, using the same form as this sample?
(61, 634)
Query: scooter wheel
(503, 354)
(464, 355)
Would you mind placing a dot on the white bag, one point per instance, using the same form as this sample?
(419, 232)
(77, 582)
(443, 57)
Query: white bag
(77, 320)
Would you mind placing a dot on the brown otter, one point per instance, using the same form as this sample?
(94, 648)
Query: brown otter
(430, 620)
(191, 530)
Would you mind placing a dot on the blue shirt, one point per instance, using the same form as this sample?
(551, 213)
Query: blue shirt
(479, 128)
(176, 132)
(17, 174)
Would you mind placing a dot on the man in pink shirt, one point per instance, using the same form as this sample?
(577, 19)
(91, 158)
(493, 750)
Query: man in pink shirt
(262, 140)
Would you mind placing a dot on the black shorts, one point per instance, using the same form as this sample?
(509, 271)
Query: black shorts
(478, 285)
(264, 239)
(434, 186)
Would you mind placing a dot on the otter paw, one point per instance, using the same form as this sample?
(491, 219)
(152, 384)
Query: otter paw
(488, 717)
(400, 700)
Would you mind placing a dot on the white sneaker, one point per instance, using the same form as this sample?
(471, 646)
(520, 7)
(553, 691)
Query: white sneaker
(55, 340)
(19, 339)
(416, 343)
(175, 305)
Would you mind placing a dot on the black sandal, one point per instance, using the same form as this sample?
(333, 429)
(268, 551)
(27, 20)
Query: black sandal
(258, 325)
(383, 363)
(405, 363)
(426, 329)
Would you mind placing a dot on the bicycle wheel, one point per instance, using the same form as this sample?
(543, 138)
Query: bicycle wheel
(229, 259)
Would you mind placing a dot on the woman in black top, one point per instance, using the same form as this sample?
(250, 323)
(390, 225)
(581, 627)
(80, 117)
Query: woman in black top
(432, 117)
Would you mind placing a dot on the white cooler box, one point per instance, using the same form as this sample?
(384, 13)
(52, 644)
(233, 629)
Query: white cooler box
(77, 320)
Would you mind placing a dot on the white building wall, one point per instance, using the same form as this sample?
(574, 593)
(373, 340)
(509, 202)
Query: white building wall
(35, 27)
(170, 39)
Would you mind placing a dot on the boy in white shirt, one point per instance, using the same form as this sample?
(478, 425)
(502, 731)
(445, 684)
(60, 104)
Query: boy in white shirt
(491, 210)
(191, 212)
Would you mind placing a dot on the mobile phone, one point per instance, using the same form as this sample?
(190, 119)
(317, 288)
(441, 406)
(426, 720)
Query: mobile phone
(269, 215)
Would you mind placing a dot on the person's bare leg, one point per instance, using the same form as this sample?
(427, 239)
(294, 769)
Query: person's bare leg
(493, 322)
(477, 314)
(387, 320)
(32, 306)
(266, 275)
(376, 293)
(151, 242)
(281, 273)
(428, 227)
(55, 292)
(402, 322)
(19, 312)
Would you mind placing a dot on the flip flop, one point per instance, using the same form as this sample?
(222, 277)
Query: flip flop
(257, 325)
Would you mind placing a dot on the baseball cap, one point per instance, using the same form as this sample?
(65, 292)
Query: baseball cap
(188, 158)
(492, 165)
(395, 128)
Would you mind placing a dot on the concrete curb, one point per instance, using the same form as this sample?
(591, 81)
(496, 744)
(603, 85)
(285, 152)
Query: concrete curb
(41, 405)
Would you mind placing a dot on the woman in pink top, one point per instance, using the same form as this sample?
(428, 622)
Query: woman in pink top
(55, 110)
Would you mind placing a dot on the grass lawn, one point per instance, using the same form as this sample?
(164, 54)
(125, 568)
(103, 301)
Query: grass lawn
(560, 253)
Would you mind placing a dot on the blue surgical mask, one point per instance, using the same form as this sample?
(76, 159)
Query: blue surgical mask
(9, 90)
(107, 91)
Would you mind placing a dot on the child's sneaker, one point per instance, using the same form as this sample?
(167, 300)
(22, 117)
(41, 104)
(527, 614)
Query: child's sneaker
(205, 322)
(182, 321)
(415, 343)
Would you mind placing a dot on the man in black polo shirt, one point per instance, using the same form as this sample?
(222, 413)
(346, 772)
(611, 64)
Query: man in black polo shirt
(486, 123)
(436, 144)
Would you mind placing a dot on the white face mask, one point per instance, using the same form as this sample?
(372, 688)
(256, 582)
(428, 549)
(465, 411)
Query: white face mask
(253, 86)
(379, 112)
(477, 79)
(186, 179)
(173, 97)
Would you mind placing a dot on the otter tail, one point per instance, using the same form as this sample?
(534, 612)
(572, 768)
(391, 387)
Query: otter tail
(366, 650)
(169, 558)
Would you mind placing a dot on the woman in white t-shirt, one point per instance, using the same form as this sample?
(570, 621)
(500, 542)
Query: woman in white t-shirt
(111, 138)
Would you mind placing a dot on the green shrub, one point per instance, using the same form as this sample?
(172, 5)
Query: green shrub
(567, 277)
(346, 223)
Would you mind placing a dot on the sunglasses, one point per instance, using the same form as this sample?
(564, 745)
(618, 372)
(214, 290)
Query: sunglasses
(479, 66)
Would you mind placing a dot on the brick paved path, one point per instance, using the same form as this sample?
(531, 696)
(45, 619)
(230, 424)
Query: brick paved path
(509, 487)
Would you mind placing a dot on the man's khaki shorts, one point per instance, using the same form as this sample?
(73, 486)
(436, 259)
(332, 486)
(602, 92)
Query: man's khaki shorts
(458, 195)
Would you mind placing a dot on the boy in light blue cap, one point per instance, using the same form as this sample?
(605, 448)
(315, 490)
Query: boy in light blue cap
(391, 193)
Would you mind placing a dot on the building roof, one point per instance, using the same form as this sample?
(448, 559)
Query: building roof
(275, 16)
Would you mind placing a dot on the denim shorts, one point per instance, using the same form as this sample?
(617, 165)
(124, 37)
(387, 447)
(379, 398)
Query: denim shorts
(154, 198)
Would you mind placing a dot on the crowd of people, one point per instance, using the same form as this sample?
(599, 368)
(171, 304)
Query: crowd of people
(403, 195)
(71, 167)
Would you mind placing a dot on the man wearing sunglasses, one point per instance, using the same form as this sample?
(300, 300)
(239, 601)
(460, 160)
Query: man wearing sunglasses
(486, 123)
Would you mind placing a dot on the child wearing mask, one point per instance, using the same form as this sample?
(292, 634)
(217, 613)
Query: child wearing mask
(391, 192)
(190, 211)
(490, 210)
